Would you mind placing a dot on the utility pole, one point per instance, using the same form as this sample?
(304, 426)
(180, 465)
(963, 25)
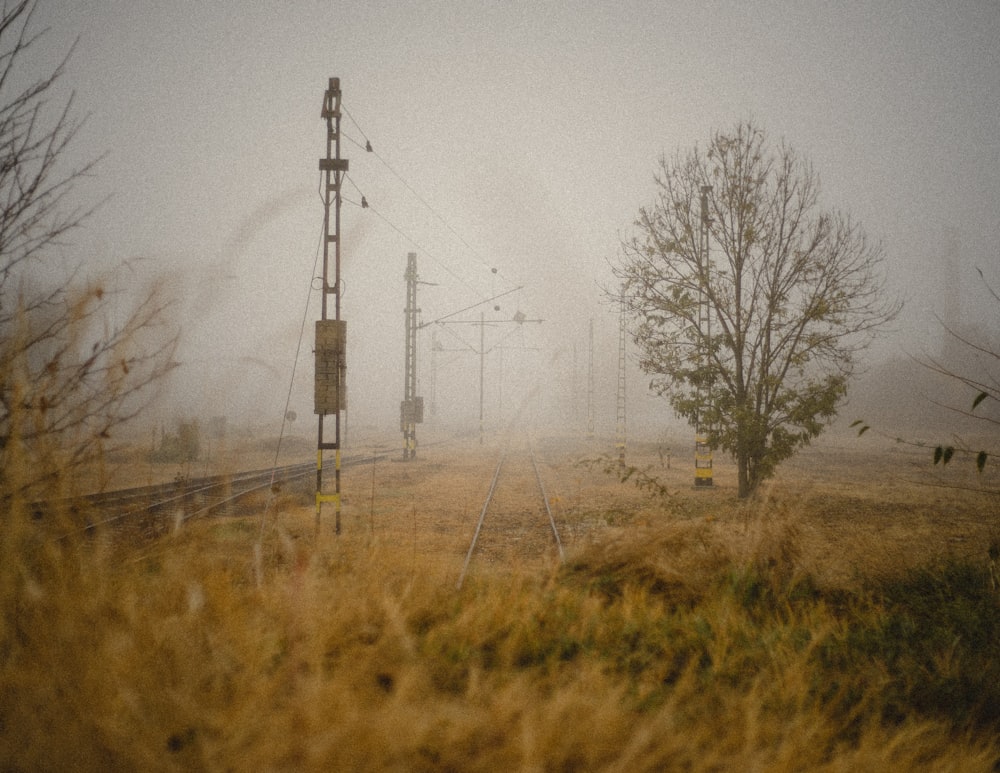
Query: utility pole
(620, 409)
(411, 410)
(575, 388)
(482, 370)
(702, 449)
(331, 334)
(482, 351)
(590, 381)
(435, 348)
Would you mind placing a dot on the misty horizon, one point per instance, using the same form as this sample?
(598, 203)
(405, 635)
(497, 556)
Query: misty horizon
(515, 138)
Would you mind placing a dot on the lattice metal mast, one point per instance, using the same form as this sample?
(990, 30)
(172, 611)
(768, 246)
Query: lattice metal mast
(620, 426)
(702, 450)
(590, 381)
(331, 334)
(435, 347)
(411, 410)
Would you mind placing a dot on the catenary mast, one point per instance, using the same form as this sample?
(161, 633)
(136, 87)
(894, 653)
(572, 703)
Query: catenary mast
(331, 334)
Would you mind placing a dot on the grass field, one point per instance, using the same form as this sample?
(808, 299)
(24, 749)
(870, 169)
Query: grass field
(846, 619)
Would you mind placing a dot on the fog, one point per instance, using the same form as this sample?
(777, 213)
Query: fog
(514, 144)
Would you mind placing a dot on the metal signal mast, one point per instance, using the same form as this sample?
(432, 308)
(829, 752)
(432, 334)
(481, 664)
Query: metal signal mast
(702, 449)
(331, 334)
(620, 409)
(590, 381)
(411, 410)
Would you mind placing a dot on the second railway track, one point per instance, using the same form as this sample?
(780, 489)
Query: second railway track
(149, 511)
(516, 523)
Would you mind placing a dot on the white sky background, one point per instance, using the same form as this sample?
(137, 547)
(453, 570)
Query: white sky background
(533, 130)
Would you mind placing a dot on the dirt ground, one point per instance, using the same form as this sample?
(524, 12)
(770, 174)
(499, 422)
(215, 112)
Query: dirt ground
(853, 505)
(851, 508)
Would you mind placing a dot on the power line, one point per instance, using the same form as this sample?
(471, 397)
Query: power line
(291, 383)
(370, 149)
(365, 204)
(467, 308)
(353, 141)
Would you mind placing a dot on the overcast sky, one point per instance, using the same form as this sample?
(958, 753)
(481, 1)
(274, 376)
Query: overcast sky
(531, 130)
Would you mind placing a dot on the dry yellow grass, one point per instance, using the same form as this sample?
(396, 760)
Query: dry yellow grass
(676, 637)
(853, 511)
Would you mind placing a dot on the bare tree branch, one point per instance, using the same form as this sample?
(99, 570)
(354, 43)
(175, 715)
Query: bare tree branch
(67, 378)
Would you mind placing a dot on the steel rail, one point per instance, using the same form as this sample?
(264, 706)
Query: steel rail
(479, 525)
(185, 490)
(151, 499)
(489, 500)
(545, 499)
(267, 484)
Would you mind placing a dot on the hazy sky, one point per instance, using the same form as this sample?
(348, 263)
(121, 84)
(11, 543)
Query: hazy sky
(531, 129)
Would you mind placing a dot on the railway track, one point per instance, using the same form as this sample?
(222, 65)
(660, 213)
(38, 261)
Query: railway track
(150, 511)
(515, 523)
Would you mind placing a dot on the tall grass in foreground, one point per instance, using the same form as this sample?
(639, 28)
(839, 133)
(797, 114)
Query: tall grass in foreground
(672, 647)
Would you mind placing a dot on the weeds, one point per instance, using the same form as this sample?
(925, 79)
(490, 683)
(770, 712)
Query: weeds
(643, 478)
(677, 645)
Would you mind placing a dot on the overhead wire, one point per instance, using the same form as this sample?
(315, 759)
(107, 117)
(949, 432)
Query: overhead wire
(365, 204)
(459, 338)
(351, 139)
(509, 334)
(367, 147)
(370, 149)
(291, 383)
(470, 307)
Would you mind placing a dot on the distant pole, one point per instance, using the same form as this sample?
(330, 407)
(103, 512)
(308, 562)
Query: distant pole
(620, 408)
(482, 370)
(434, 350)
(482, 351)
(590, 381)
(702, 449)
(500, 385)
(409, 410)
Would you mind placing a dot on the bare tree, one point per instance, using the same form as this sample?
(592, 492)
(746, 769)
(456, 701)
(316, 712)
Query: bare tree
(35, 188)
(969, 366)
(68, 376)
(981, 378)
(754, 335)
(970, 360)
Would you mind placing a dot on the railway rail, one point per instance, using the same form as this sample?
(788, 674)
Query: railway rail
(153, 510)
(149, 511)
(516, 519)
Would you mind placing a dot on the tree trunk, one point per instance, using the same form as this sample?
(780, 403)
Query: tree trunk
(743, 475)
